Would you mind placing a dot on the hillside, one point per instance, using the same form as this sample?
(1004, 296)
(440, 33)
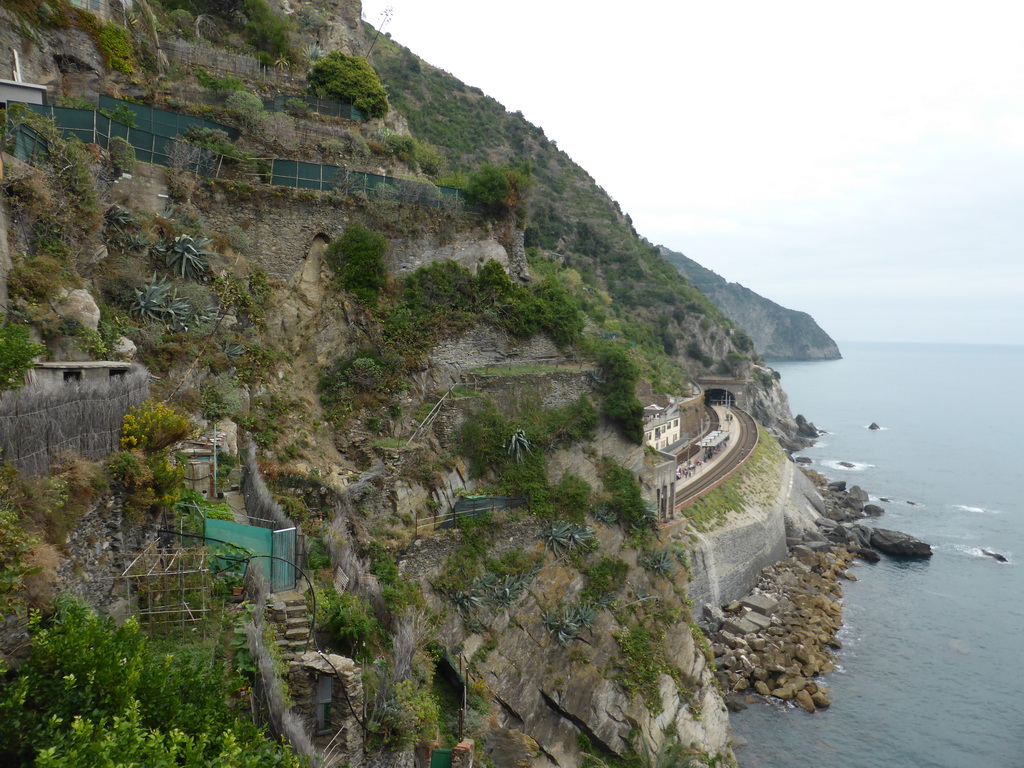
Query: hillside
(778, 333)
(360, 324)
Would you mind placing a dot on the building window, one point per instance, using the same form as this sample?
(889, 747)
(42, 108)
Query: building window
(72, 377)
(117, 373)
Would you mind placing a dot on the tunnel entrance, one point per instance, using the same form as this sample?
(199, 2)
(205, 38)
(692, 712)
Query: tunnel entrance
(719, 397)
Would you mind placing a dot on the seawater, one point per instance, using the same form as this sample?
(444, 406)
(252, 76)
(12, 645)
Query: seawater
(932, 667)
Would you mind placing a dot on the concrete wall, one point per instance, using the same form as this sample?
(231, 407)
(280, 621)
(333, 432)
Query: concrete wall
(726, 563)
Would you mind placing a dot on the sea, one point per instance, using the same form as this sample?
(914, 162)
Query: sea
(931, 673)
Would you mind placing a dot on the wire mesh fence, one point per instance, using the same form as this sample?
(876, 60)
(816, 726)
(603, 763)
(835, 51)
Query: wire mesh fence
(223, 63)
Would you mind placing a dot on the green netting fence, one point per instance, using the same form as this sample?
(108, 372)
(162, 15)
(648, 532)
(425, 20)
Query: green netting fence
(315, 104)
(159, 148)
(275, 550)
(93, 127)
(295, 173)
(468, 507)
(163, 123)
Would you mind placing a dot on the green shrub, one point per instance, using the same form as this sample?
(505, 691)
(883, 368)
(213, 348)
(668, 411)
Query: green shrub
(349, 79)
(351, 624)
(92, 693)
(35, 278)
(15, 545)
(122, 155)
(268, 32)
(226, 83)
(17, 354)
(618, 388)
(627, 501)
(501, 190)
(246, 106)
(357, 258)
(116, 47)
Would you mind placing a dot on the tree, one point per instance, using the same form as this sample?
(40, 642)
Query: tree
(350, 79)
(618, 387)
(16, 355)
(501, 190)
(357, 258)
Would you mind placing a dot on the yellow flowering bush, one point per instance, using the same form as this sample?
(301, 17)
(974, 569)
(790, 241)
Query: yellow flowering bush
(153, 426)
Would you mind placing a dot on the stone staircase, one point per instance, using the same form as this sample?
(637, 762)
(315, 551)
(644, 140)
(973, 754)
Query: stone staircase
(287, 612)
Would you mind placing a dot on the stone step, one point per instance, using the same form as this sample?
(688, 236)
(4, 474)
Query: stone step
(297, 621)
(296, 610)
(296, 634)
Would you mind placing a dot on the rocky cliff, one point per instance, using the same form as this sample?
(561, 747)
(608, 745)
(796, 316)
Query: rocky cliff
(778, 333)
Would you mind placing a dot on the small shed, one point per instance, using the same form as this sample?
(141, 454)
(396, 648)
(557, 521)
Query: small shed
(327, 692)
(27, 93)
(86, 372)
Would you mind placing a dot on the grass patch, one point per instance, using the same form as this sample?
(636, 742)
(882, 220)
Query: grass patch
(712, 510)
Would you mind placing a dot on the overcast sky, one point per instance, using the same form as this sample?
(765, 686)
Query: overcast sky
(862, 162)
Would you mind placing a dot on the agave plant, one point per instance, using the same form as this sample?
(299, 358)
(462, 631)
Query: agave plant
(519, 445)
(660, 562)
(150, 301)
(562, 626)
(137, 242)
(505, 592)
(555, 535)
(186, 255)
(584, 615)
(559, 535)
(118, 218)
(313, 52)
(604, 514)
(466, 601)
(233, 349)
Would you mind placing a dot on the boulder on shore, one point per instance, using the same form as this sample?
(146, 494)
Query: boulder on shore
(898, 543)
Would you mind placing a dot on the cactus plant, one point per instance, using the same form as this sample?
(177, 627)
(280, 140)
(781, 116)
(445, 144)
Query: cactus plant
(659, 562)
(186, 255)
(150, 301)
(519, 445)
(560, 535)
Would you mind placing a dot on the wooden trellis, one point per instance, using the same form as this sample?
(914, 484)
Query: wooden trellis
(169, 588)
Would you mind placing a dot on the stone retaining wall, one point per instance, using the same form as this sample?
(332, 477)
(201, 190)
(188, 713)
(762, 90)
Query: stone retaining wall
(283, 225)
(727, 561)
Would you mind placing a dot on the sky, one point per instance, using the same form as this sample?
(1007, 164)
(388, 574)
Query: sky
(863, 162)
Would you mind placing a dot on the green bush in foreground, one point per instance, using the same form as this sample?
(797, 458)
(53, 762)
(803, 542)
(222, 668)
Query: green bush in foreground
(95, 694)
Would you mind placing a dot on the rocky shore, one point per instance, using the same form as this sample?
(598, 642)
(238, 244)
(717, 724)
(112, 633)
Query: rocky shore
(779, 640)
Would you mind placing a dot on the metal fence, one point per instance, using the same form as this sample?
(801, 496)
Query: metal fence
(295, 173)
(224, 63)
(93, 127)
(316, 104)
(163, 123)
(468, 507)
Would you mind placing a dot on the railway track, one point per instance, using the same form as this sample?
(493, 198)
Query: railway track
(721, 472)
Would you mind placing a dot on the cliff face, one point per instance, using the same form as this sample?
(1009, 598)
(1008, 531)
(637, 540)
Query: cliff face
(548, 693)
(778, 333)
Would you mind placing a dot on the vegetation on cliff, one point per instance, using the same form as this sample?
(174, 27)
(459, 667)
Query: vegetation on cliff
(334, 379)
